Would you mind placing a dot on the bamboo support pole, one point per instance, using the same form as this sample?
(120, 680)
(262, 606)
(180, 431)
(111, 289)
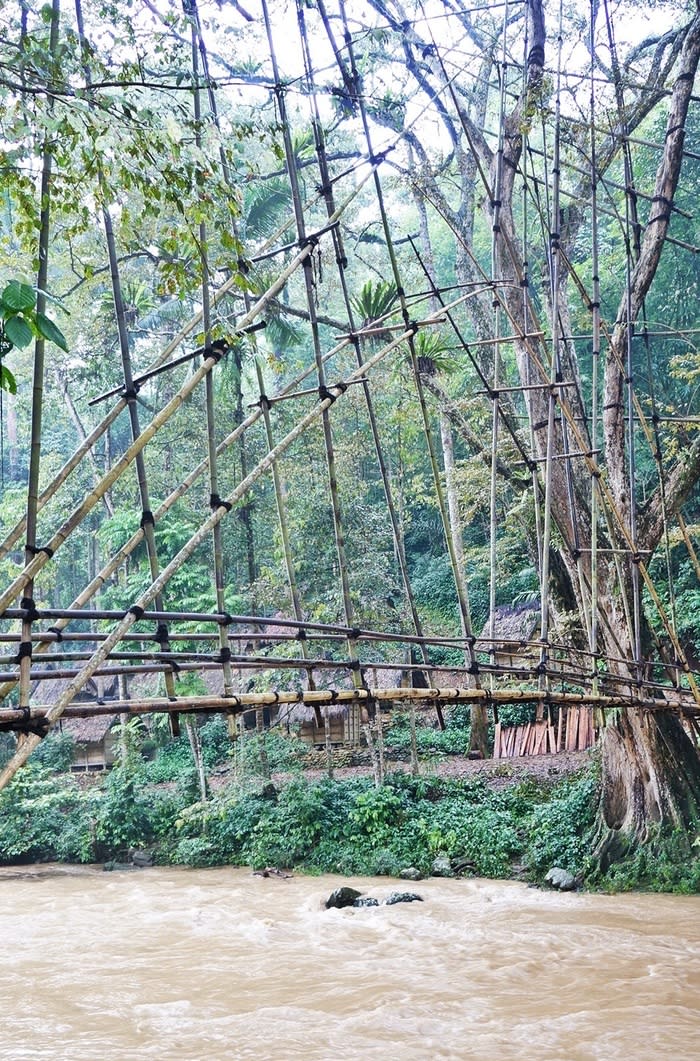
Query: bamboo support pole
(356, 335)
(595, 355)
(338, 522)
(495, 391)
(10, 717)
(460, 583)
(38, 379)
(214, 500)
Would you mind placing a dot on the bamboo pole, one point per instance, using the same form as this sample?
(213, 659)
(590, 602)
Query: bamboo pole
(595, 355)
(338, 523)
(147, 518)
(25, 654)
(214, 499)
(460, 584)
(39, 714)
(357, 334)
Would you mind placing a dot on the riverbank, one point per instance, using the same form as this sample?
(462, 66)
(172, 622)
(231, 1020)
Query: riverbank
(508, 819)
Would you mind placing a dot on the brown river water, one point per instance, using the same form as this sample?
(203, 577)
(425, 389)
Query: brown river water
(195, 964)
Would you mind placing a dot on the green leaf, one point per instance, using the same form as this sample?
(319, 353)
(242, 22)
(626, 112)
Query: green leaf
(7, 380)
(18, 331)
(18, 296)
(51, 331)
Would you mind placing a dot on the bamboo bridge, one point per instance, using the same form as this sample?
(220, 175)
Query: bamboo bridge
(293, 659)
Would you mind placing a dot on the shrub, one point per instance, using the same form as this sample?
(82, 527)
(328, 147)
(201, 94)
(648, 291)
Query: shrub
(43, 818)
(557, 829)
(55, 752)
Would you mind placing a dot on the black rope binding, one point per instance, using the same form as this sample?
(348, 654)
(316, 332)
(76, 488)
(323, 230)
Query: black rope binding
(161, 634)
(36, 549)
(28, 605)
(217, 502)
(218, 349)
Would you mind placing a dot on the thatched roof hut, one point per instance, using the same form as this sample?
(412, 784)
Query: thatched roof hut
(516, 626)
(95, 741)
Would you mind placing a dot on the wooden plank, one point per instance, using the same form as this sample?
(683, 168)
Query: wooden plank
(525, 745)
(571, 728)
(497, 741)
(552, 736)
(582, 729)
(541, 738)
(560, 724)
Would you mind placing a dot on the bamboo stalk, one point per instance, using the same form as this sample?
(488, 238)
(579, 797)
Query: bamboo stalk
(217, 549)
(338, 523)
(38, 377)
(356, 336)
(460, 584)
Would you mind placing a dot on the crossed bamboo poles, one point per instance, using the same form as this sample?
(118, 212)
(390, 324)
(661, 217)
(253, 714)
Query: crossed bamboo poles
(92, 498)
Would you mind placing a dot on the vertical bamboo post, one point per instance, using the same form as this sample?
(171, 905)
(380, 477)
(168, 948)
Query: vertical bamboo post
(214, 499)
(25, 652)
(341, 261)
(320, 372)
(460, 585)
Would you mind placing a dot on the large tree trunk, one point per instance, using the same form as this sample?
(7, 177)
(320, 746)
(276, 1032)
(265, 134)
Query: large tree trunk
(650, 778)
(650, 766)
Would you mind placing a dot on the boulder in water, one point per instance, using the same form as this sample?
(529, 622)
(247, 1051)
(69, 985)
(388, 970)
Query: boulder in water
(411, 873)
(342, 897)
(142, 858)
(366, 900)
(441, 867)
(561, 879)
(402, 897)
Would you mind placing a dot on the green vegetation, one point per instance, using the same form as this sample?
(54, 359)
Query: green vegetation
(494, 826)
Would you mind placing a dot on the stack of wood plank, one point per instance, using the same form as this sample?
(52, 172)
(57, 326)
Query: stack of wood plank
(574, 731)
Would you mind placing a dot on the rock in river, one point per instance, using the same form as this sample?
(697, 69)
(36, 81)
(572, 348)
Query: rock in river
(561, 879)
(342, 897)
(441, 867)
(411, 873)
(402, 897)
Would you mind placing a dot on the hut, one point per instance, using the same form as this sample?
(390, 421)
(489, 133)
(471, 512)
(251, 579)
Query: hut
(95, 741)
(516, 627)
(308, 723)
